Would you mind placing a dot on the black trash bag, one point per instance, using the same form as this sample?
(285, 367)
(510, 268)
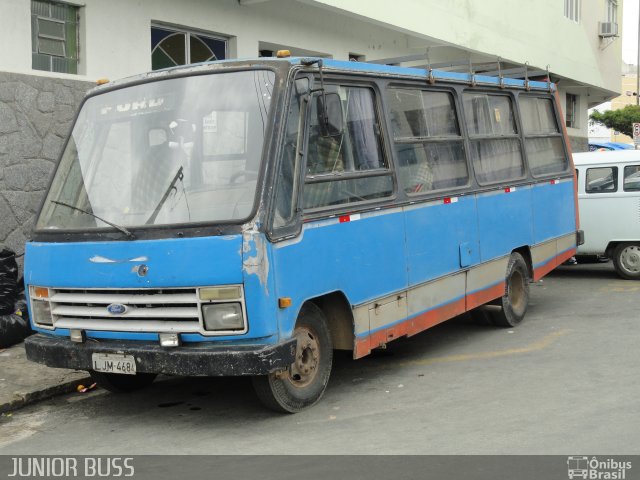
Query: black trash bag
(13, 329)
(8, 281)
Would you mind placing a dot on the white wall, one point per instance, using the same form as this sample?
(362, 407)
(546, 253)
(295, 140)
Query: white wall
(516, 30)
(115, 34)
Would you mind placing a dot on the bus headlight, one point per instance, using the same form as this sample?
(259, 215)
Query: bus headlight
(223, 316)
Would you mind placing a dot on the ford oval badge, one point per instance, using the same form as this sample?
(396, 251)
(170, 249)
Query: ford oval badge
(117, 309)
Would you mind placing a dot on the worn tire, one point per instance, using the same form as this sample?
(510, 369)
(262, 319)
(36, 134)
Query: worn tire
(626, 260)
(305, 381)
(119, 383)
(515, 300)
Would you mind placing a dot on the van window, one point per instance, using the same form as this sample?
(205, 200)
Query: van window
(495, 147)
(543, 140)
(427, 139)
(356, 152)
(601, 180)
(631, 178)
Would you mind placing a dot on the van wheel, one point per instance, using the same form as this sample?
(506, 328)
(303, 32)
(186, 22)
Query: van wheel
(515, 300)
(119, 383)
(304, 382)
(626, 259)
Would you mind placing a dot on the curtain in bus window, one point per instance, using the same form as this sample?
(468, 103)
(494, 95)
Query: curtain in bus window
(489, 114)
(537, 115)
(358, 149)
(496, 160)
(362, 129)
(546, 155)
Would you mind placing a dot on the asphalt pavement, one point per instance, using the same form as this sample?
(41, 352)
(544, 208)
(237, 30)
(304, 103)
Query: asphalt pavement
(563, 382)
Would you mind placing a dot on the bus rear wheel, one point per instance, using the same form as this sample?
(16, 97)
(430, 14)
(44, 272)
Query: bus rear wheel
(304, 382)
(515, 300)
(119, 383)
(626, 259)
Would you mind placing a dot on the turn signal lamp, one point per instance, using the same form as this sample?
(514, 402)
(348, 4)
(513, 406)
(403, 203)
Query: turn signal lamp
(220, 293)
(39, 292)
(102, 81)
(283, 53)
(284, 302)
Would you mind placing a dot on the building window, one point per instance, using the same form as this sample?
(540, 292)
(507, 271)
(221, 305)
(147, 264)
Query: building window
(171, 47)
(612, 11)
(572, 10)
(571, 110)
(54, 37)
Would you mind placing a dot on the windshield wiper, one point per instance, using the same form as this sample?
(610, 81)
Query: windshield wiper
(178, 176)
(122, 229)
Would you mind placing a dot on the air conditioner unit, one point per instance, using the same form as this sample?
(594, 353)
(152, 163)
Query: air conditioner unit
(607, 29)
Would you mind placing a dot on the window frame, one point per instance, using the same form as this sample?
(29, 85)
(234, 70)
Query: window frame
(65, 40)
(390, 171)
(471, 138)
(573, 10)
(187, 32)
(624, 178)
(422, 140)
(615, 172)
(558, 134)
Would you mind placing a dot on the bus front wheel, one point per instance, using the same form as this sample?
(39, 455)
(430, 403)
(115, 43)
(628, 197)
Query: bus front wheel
(515, 300)
(304, 382)
(626, 259)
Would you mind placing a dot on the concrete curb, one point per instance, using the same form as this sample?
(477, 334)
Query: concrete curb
(22, 399)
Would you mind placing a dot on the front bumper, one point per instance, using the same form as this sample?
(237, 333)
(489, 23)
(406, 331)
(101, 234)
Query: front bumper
(203, 359)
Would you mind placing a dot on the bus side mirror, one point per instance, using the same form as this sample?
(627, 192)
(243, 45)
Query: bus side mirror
(330, 119)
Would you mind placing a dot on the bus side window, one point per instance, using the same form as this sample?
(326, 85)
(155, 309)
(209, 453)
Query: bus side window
(356, 152)
(601, 180)
(631, 178)
(287, 179)
(495, 145)
(427, 138)
(543, 139)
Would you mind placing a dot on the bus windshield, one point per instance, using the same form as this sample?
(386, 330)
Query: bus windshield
(174, 151)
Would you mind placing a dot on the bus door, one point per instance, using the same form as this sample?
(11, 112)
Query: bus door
(350, 241)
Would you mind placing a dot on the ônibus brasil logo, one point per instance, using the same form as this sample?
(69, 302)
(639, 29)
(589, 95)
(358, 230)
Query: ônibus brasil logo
(596, 469)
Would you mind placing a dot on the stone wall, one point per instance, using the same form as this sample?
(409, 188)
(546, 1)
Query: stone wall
(35, 117)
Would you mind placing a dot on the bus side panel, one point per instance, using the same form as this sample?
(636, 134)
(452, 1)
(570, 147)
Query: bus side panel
(553, 210)
(442, 238)
(361, 255)
(505, 221)
(554, 217)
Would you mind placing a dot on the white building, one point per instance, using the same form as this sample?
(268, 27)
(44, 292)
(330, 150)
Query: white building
(576, 39)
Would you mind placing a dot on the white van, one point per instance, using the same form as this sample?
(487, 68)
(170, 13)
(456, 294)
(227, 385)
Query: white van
(609, 203)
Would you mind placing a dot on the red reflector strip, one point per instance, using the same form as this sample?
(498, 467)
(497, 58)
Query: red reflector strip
(349, 218)
(447, 200)
(554, 181)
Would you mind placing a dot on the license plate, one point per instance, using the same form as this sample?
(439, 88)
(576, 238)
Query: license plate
(114, 363)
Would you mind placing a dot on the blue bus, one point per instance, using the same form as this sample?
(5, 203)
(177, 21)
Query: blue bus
(250, 217)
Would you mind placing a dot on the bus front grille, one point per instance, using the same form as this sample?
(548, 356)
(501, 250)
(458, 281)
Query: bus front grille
(136, 310)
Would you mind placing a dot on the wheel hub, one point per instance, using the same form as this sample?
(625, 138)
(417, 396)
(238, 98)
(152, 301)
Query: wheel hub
(303, 370)
(630, 259)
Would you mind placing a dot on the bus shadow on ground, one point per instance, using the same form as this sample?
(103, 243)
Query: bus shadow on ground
(214, 399)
